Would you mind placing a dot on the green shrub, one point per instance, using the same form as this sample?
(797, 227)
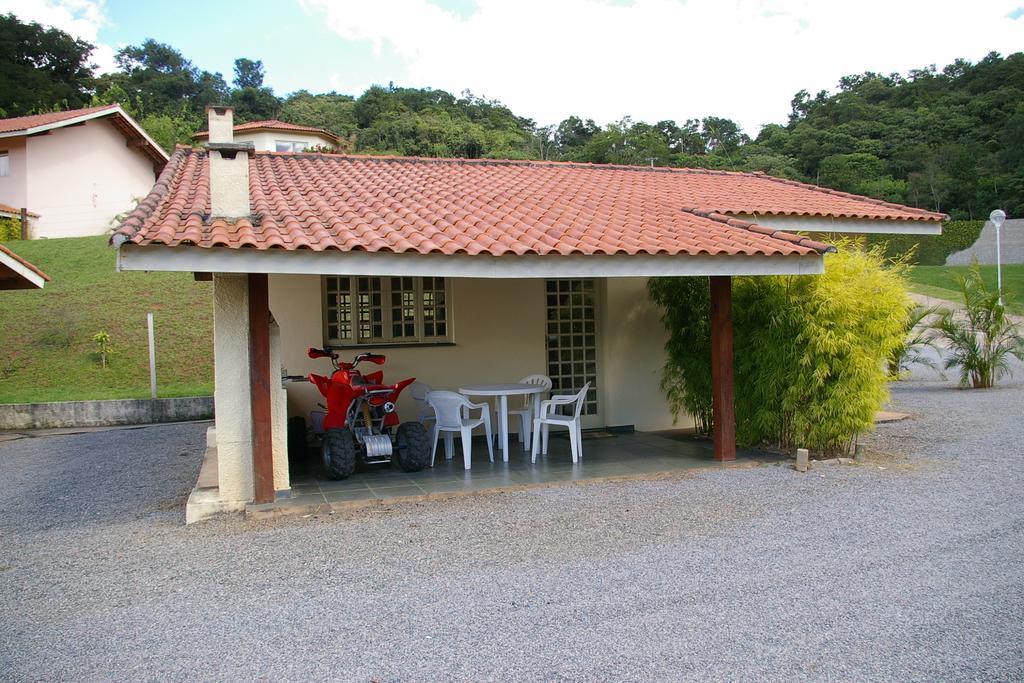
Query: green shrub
(10, 229)
(980, 339)
(916, 339)
(810, 350)
(930, 250)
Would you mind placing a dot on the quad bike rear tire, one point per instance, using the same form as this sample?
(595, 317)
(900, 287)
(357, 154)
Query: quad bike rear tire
(413, 447)
(339, 453)
(297, 439)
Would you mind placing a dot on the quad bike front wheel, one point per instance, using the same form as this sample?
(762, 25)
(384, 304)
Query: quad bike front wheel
(339, 453)
(413, 446)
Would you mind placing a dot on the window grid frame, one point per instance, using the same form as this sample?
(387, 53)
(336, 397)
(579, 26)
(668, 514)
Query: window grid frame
(331, 287)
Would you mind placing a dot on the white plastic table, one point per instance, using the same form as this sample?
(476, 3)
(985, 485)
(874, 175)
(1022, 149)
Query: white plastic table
(503, 391)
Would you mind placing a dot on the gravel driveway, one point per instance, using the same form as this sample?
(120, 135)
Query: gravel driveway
(907, 568)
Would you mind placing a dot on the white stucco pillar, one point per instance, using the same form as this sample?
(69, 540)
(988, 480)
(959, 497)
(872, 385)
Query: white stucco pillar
(231, 392)
(231, 386)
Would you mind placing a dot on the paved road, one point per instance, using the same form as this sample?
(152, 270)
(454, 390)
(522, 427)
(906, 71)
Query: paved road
(911, 572)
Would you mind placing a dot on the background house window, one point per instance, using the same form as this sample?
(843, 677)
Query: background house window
(365, 311)
(5, 164)
(290, 146)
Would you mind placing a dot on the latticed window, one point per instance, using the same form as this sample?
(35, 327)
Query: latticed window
(364, 311)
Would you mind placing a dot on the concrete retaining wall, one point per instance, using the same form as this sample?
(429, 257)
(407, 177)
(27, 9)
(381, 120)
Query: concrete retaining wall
(104, 413)
(1011, 242)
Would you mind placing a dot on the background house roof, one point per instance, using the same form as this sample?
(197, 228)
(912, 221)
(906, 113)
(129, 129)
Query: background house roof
(273, 125)
(133, 132)
(450, 206)
(9, 211)
(17, 273)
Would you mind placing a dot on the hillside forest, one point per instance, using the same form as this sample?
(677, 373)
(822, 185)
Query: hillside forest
(948, 138)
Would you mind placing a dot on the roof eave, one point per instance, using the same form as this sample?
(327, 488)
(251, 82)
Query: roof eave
(183, 258)
(154, 149)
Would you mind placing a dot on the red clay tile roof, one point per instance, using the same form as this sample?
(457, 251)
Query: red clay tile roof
(23, 262)
(8, 209)
(120, 120)
(273, 124)
(401, 204)
(19, 123)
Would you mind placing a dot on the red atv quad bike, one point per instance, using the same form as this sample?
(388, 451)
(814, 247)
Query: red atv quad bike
(361, 424)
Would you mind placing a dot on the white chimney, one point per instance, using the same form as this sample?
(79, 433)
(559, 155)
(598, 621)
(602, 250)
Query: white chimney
(229, 166)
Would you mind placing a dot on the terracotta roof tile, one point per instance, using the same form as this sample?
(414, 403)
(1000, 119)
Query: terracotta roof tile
(273, 124)
(401, 204)
(25, 263)
(119, 119)
(8, 209)
(25, 122)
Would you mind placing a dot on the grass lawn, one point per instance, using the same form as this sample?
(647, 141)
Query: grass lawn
(46, 347)
(940, 282)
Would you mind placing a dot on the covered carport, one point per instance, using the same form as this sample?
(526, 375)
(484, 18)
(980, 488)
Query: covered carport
(276, 232)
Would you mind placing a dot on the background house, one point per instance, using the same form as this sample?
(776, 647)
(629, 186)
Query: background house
(278, 136)
(76, 170)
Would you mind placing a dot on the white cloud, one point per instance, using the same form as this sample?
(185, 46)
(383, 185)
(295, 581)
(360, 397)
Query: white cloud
(80, 18)
(656, 59)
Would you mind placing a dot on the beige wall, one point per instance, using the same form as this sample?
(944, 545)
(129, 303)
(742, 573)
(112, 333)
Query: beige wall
(499, 335)
(632, 354)
(267, 141)
(13, 190)
(80, 177)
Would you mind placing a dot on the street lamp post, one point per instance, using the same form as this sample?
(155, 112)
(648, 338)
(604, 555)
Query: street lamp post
(997, 217)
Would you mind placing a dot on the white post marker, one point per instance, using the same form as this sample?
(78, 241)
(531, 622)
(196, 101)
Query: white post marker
(801, 460)
(152, 357)
(997, 217)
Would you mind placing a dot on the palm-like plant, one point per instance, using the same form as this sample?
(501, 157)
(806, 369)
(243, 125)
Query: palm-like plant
(911, 350)
(981, 337)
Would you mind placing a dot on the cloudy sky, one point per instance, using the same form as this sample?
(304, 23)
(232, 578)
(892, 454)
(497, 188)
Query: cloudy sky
(547, 59)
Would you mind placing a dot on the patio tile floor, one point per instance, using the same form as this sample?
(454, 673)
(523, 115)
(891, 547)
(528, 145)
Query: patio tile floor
(628, 454)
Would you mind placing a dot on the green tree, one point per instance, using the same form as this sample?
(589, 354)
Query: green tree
(249, 73)
(166, 81)
(255, 104)
(41, 68)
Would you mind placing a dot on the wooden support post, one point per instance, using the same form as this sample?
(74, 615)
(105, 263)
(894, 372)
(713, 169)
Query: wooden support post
(723, 388)
(259, 388)
(24, 223)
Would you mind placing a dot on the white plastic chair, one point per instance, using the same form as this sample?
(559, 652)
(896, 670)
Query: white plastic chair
(451, 412)
(525, 414)
(418, 391)
(549, 417)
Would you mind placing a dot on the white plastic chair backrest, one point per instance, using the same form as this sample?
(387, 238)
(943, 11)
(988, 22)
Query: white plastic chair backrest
(419, 391)
(540, 380)
(447, 407)
(580, 398)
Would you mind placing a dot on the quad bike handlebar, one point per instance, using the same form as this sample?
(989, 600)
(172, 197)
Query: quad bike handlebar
(375, 358)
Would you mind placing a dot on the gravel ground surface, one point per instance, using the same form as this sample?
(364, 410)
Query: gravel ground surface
(908, 567)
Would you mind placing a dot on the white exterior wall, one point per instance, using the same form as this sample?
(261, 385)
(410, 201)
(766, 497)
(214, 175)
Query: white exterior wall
(632, 355)
(80, 177)
(266, 141)
(499, 333)
(13, 188)
(231, 393)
